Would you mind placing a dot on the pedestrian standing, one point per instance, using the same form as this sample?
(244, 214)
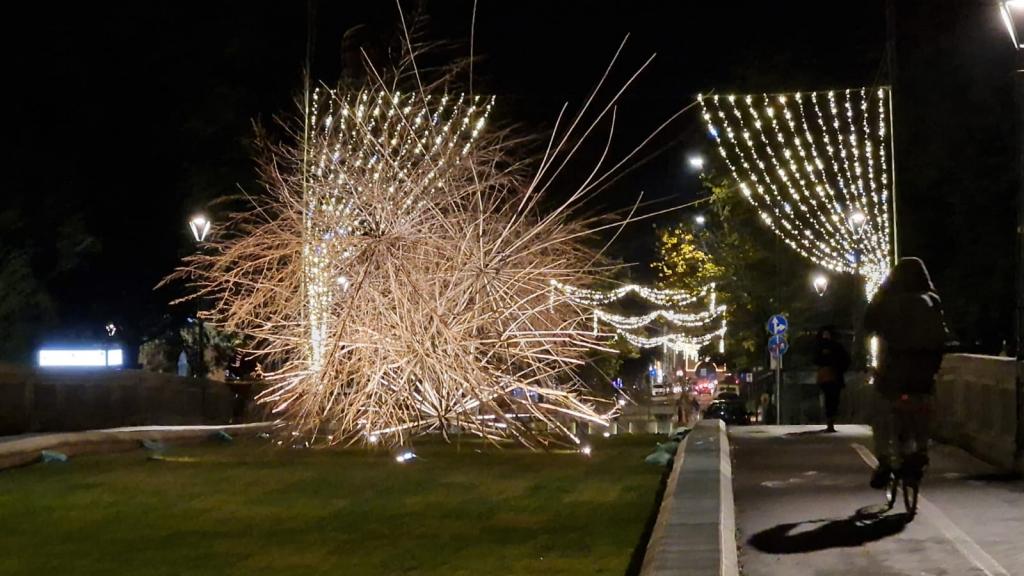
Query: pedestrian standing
(832, 361)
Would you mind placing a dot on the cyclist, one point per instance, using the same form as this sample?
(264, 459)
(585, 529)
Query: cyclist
(906, 315)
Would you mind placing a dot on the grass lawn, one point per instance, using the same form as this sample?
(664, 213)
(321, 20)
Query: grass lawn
(251, 508)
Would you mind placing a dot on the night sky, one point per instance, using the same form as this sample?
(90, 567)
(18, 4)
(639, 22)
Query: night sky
(128, 118)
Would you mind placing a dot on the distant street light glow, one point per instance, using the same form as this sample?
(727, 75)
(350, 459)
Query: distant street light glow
(821, 284)
(857, 220)
(696, 162)
(700, 219)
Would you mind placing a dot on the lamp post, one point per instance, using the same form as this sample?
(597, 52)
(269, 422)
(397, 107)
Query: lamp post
(1012, 12)
(857, 220)
(199, 225)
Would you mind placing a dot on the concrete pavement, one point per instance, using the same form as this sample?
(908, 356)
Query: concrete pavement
(803, 506)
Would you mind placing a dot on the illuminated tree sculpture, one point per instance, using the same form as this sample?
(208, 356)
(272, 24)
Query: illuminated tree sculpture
(818, 167)
(397, 273)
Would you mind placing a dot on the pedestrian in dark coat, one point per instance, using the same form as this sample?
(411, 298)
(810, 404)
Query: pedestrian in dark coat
(832, 361)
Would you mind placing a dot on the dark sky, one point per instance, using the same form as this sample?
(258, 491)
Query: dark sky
(128, 117)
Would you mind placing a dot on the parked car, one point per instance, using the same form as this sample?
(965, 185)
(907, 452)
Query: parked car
(728, 411)
(659, 389)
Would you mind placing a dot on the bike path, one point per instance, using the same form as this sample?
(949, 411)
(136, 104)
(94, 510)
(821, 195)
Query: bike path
(803, 506)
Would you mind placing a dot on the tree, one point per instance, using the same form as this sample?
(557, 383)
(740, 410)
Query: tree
(685, 264)
(756, 275)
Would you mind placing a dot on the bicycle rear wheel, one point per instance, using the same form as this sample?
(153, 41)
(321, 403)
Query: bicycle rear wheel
(910, 490)
(891, 489)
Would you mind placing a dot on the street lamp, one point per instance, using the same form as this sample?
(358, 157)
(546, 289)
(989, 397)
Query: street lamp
(820, 284)
(1012, 12)
(700, 219)
(200, 227)
(857, 220)
(696, 162)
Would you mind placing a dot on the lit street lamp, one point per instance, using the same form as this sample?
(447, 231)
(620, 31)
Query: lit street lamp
(696, 162)
(1012, 12)
(200, 227)
(857, 221)
(820, 284)
(700, 219)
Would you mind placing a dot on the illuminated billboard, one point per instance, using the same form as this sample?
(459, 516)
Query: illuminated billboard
(81, 358)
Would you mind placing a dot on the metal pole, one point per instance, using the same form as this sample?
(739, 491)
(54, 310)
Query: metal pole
(890, 49)
(778, 390)
(1019, 323)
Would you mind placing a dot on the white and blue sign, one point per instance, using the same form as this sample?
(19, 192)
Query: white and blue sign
(777, 324)
(778, 345)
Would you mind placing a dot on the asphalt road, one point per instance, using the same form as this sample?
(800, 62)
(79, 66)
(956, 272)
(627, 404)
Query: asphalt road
(803, 507)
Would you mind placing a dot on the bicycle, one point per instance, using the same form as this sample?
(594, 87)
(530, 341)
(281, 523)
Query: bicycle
(910, 418)
(910, 481)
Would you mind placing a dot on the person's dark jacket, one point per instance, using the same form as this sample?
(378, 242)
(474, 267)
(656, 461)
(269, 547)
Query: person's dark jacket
(906, 315)
(832, 361)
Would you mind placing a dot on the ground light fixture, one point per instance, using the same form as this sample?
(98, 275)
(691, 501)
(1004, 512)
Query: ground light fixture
(200, 227)
(820, 283)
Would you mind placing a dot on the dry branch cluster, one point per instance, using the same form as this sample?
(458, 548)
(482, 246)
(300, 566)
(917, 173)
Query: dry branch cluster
(397, 274)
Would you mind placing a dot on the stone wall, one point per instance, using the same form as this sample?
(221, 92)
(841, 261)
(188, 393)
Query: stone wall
(977, 406)
(52, 400)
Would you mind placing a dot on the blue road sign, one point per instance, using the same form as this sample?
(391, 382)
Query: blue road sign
(778, 345)
(777, 324)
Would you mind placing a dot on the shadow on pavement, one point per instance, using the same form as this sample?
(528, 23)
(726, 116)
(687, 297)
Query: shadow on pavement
(813, 535)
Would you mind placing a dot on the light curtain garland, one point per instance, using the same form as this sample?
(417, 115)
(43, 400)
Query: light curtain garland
(818, 168)
(661, 297)
(675, 318)
(624, 326)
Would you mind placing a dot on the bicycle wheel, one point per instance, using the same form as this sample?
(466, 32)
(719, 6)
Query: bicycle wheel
(890, 491)
(910, 490)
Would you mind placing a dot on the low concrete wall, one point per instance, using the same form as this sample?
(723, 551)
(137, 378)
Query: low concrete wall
(977, 407)
(35, 400)
(695, 533)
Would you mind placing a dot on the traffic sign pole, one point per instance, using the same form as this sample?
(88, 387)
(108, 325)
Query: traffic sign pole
(777, 346)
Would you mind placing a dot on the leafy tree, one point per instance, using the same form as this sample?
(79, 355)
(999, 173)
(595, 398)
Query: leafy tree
(685, 264)
(757, 275)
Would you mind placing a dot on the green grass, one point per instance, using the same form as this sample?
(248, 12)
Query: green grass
(252, 508)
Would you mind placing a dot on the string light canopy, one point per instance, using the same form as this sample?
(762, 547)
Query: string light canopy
(818, 168)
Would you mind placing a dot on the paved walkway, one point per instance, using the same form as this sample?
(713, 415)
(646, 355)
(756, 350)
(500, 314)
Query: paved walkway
(798, 493)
